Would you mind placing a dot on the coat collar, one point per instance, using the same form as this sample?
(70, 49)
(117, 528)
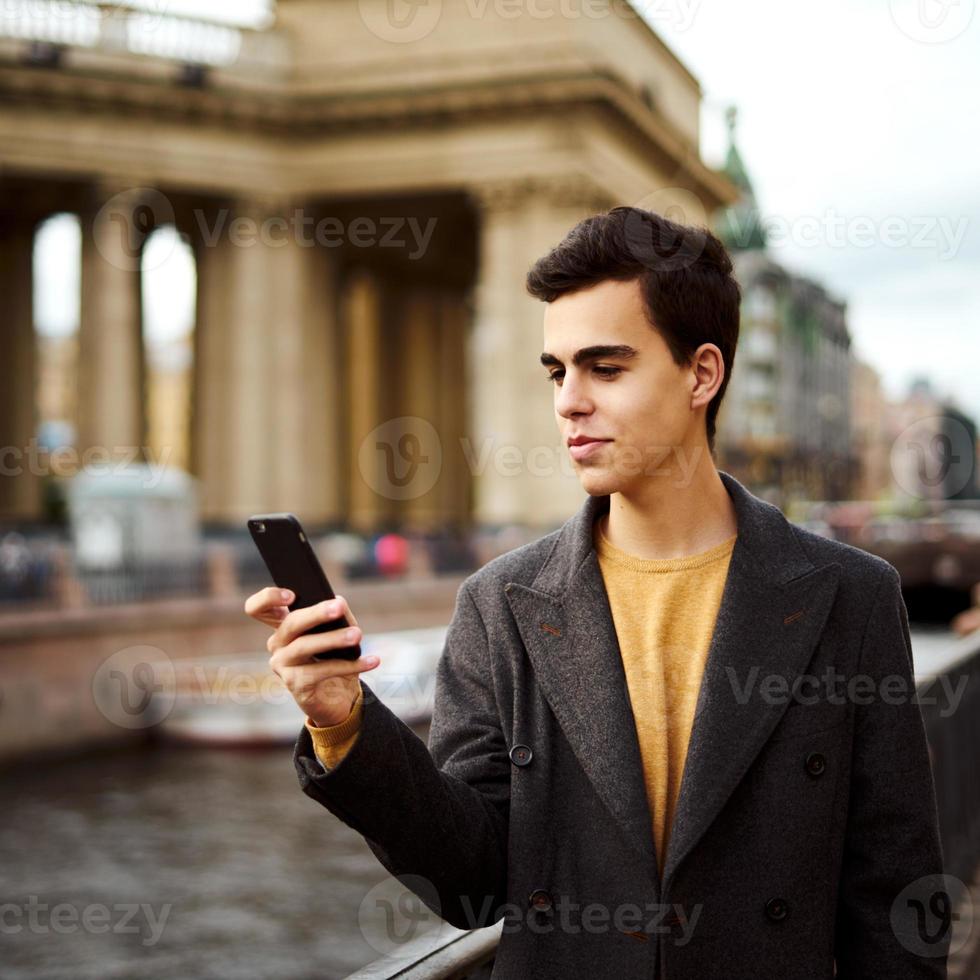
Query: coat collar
(774, 606)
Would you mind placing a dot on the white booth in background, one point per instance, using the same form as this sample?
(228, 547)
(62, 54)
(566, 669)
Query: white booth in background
(135, 530)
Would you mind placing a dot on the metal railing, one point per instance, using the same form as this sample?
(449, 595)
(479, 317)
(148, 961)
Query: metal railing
(43, 570)
(449, 954)
(139, 581)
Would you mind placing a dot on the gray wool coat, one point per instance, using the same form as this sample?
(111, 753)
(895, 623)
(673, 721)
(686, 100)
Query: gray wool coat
(806, 833)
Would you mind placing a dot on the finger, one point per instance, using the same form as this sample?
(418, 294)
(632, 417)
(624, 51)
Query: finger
(302, 649)
(265, 599)
(345, 610)
(315, 671)
(273, 617)
(300, 621)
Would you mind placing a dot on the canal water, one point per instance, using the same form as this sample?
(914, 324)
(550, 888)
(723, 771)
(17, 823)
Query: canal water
(188, 863)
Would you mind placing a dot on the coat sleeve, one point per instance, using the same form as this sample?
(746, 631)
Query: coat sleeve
(438, 815)
(891, 883)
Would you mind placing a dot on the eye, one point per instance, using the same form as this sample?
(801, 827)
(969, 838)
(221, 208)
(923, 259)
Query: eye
(603, 370)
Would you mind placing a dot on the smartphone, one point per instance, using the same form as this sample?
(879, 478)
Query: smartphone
(293, 565)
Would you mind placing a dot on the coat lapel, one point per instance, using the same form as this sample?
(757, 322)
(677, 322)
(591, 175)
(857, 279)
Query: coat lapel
(774, 606)
(571, 642)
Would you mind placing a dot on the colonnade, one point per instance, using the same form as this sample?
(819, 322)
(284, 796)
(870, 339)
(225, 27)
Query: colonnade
(301, 353)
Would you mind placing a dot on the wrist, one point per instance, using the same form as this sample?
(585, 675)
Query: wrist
(315, 722)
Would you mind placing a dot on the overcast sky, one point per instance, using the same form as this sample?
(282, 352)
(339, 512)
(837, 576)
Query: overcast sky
(859, 123)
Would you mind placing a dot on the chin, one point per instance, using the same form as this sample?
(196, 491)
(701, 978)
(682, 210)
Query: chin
(597, 481)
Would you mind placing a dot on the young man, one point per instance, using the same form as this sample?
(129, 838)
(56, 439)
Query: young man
(676, 737)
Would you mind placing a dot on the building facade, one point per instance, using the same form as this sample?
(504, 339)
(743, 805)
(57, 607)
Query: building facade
(363, 197)
(785, 423)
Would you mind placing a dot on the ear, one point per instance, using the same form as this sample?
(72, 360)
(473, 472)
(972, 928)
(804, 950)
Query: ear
(707, 374)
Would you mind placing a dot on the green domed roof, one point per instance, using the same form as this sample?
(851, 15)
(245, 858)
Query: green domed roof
(740, 226)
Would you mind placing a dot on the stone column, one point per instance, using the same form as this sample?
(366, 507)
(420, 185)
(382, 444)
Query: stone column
(421, 381)
(521, 475)
(362, 318)
(20, 482)
(267, 419)
(455, 320)
(212, 434)
(111, 377)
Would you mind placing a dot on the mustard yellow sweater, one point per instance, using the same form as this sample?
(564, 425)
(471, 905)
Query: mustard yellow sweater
(664, 612)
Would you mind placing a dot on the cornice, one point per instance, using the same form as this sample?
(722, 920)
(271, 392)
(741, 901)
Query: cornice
(282, 113)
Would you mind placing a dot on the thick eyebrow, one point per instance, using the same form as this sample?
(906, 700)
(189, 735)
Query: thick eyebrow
(594, 353)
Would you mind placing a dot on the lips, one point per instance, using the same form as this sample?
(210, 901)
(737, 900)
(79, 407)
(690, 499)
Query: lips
(582, 447)
(582, 440)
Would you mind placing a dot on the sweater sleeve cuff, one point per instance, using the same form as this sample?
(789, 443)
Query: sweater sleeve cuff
(333, 735)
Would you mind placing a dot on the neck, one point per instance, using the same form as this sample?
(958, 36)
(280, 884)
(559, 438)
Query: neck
(665, 520)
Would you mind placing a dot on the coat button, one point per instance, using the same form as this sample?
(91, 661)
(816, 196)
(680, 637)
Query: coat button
(540, 900)
(815, 764)
(776, 909)
(521, 755)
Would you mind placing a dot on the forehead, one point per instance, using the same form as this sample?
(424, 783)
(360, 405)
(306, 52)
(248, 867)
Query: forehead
(609, 312)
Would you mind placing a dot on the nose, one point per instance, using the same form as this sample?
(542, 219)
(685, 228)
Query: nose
(571, 399)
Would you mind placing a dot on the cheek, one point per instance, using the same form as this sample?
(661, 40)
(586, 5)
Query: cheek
(645, 402)
(652, 419)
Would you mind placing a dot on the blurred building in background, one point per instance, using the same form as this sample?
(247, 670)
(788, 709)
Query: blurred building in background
(355, 216)
(871, 441)
(786, 423)
(361, 214)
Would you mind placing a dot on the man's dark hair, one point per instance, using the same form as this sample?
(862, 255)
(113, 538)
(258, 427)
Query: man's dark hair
(685, 275)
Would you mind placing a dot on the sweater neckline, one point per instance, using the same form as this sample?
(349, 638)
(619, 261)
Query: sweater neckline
(617, 556)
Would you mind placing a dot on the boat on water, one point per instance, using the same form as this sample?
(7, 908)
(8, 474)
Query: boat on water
(237, 701)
